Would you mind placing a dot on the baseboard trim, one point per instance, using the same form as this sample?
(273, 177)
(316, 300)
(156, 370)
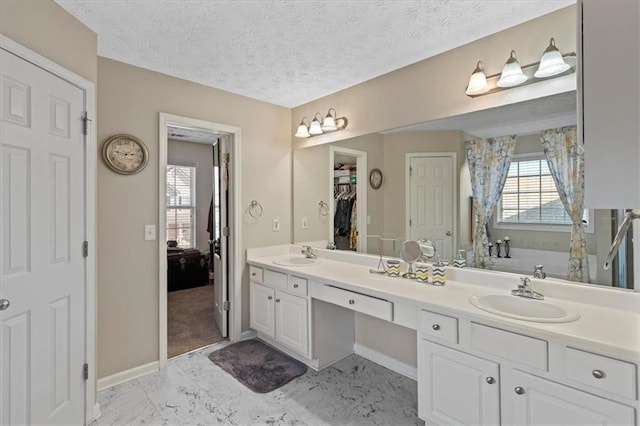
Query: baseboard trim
(386, 361)
(123, 376)
(249, 334)
(96, 412)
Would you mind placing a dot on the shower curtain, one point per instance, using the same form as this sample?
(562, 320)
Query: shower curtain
(566, 164)
(489, 161)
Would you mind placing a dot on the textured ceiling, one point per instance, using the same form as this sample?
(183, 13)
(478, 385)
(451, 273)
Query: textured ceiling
(289, 52)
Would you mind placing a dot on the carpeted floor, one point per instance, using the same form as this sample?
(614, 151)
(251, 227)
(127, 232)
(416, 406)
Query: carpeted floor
(190, 320)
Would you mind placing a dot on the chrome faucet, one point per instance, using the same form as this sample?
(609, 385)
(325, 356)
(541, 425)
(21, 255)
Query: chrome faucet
(526, 290)
(308, 252)
(538, 272)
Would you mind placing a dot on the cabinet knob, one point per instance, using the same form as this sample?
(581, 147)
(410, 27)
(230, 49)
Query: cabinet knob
(277, 300)
(269, 297)
(295, 286)
(519, 390)
(436, 327)
(598, 374)
(351, 301)
(253, 274)
(490, 380)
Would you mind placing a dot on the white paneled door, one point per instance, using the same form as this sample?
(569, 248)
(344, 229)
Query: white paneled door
(431, 202)
(42, 268)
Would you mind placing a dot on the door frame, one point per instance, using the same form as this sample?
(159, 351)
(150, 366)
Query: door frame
(91, 406)
(361, 190)
(456, 191)
(234, 250)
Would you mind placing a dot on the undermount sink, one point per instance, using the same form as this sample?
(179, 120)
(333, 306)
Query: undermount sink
(522, 308)
(295, 261)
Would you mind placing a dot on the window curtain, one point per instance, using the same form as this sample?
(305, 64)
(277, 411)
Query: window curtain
(489, 161)
(566, 163)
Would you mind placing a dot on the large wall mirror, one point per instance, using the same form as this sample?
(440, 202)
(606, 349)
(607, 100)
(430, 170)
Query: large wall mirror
(336, 199)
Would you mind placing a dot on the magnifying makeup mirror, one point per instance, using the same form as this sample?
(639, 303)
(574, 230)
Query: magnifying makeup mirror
(410, 252)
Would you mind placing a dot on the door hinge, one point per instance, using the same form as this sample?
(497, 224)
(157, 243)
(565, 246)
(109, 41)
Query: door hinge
(225, 231)
(225, 305)
(226, 158)
(85, 249)
(85, 123)
(85, 372)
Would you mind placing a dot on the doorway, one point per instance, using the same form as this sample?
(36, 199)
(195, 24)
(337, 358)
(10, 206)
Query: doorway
(198, 240)
(348, 199)
(431, 200)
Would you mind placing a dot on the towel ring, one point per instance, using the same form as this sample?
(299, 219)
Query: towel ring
(324, 208)
(255, 209)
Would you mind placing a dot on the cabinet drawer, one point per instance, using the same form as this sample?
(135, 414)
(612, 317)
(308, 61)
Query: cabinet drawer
(297, 285)
(600, 372)
(358, 302)
(255, 274)
(439, 326)
(512, 346)
(275, 279)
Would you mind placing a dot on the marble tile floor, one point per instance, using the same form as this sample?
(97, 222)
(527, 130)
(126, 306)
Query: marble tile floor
(194, 391)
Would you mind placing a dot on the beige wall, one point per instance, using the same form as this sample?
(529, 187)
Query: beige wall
(434, 88)
(48, 29)
(129, 101)
(199, 155)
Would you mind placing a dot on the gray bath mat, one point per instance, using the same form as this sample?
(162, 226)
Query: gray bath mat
(257, 366)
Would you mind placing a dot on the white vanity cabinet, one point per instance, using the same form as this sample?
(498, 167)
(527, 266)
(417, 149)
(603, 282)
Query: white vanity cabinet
(279, 308)
(470, 373)
(610, 102)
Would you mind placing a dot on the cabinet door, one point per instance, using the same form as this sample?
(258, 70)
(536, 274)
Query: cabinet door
(261, 309)
(456, 388)
(291, 322)
(611, 103)
(542, 402)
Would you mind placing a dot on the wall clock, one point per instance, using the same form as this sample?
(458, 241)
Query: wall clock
(375, 178)
(125, 154)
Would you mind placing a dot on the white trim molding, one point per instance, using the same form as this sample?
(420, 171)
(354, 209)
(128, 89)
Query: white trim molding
(89, 90)
(126, 375)
(235, 224)
(386, 361)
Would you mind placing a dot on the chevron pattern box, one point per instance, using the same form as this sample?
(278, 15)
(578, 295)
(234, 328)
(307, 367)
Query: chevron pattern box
(439, 275)
(422, 272)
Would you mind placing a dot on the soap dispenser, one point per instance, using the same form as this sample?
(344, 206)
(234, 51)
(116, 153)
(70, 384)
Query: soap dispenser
(439, 273)
(460, 261)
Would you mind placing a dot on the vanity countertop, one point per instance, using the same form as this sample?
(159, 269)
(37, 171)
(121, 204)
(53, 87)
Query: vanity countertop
(601, 328)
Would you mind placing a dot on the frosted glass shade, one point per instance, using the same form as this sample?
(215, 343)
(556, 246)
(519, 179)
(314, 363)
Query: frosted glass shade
(302, 132)
(477, 82)
(512, 74)
(315, 128)
(329, 124)
(552, 62)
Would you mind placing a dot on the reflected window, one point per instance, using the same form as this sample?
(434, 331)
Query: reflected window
(530, 195)
(181, 205)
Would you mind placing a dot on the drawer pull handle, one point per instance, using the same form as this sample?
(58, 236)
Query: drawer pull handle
(436, 327)
(519, 390)
(269, 297)
(351, 301)
(295, 286)
(253, 274)
(277, 300)
(491, 380)
(598, 374)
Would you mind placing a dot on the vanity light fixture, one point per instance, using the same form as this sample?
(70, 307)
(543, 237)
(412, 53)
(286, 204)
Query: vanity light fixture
(478, 81)
(512, 74)
(552, 64)
(318, 126)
